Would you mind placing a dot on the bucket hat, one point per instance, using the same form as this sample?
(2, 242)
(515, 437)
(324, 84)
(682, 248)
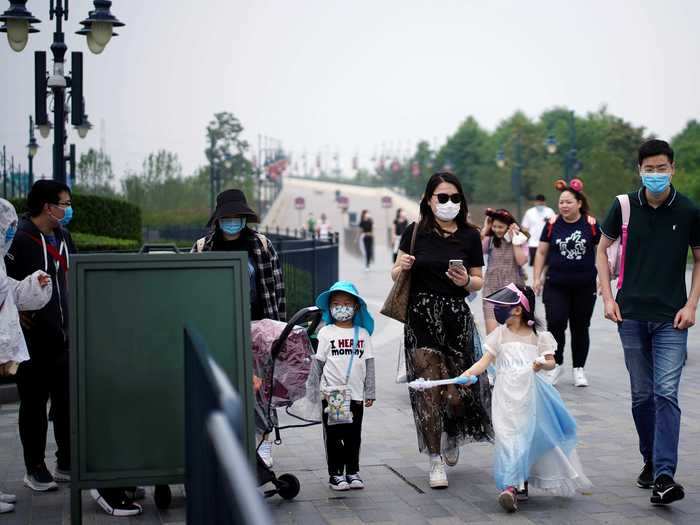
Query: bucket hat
(232, 202)
(362, 317)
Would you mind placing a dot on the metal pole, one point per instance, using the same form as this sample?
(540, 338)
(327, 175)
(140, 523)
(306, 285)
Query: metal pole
(4, 172)
(12, 176)
(29, 155)
(58, 49)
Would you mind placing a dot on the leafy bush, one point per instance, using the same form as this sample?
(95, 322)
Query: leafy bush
(100, 216)
(85, 242)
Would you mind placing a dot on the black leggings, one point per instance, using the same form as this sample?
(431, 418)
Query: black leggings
(368, 241)
(343, 442)
(572, 305)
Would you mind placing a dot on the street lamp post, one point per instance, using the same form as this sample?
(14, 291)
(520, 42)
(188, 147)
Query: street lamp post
(4, 172)
(18, 24)
(32, 148)
(516, 175)
(571, 163)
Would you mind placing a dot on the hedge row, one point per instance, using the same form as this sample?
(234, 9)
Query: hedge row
(100, 216)
(85, 242)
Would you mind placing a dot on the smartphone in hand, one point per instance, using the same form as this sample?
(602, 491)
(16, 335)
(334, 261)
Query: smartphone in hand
(456, 262)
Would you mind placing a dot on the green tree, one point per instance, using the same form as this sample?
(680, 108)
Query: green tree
(226, 151)
(464, 152)
(94, 173)
(686, 146)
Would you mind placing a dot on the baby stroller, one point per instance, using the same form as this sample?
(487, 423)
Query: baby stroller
(282, 360)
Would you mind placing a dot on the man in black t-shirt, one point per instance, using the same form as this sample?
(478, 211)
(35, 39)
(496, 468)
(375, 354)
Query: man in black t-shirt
(652, 310)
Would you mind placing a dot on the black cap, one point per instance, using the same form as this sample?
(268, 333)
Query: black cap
(232, 202)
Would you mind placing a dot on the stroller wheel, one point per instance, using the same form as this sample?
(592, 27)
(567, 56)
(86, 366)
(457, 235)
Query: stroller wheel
(289, 486)
(162, 496)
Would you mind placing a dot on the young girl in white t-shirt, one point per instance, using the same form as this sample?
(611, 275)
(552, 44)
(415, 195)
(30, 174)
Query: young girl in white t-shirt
(344, 372)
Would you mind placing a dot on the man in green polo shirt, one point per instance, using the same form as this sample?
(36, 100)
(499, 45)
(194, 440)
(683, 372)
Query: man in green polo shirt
(652, 309)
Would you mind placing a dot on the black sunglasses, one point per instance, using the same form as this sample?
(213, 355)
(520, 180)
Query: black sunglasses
(444, 197)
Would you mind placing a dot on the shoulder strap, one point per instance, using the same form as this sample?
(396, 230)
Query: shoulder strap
(413, 238)
(53, 252)
(355, 338)
(625, 208)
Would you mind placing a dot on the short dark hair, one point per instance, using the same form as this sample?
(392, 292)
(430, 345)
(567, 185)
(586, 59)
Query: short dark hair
(655, 147)
(43, 192)
(540, 197)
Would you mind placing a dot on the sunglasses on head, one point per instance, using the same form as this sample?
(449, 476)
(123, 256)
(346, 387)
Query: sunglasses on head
(444, 197)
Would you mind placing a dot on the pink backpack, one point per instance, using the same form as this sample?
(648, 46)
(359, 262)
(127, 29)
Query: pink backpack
(616, 252)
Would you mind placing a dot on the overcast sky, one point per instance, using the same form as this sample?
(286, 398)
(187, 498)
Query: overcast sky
(327, 75)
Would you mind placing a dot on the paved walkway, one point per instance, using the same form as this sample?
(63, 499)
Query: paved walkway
(396, 475)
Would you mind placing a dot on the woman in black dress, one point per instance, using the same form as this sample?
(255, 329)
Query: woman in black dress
(400, 225)
(367, 237)
(439, 333)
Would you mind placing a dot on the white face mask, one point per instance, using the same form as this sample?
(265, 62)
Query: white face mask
(447, 211)
(342, 313)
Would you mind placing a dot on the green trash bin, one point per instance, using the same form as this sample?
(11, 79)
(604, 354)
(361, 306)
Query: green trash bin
(127, 314)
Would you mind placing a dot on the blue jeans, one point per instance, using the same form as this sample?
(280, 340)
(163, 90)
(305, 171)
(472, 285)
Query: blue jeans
(654, 356)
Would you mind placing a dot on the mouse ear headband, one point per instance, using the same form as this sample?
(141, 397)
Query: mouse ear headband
(575, 184)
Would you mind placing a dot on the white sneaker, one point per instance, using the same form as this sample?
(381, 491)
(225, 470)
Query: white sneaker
(438, 476)
(7, 498)
(580, 377)
(265, 452)
(6, 507)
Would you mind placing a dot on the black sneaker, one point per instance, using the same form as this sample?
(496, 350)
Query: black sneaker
(645, 480)
(115, 502)
(338, 483)
(355, 481)
(40, 479)
(666, 490)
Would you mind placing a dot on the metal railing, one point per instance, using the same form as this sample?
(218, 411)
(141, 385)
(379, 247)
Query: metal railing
(309, 266)
(221, 488)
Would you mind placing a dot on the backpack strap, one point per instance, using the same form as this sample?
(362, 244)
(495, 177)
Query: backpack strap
(625, 208)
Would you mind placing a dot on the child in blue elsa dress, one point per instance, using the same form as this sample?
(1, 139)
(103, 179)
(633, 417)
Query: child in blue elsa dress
(535, 433)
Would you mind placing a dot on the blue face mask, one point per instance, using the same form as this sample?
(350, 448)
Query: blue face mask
(656, 182)
(502, 313)
(9, 236)
(232, 226)
(67, 216)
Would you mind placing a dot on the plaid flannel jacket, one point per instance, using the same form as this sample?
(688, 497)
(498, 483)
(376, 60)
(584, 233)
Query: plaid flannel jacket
(268, 273)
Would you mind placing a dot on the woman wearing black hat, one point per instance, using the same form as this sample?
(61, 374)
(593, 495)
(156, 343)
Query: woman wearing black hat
(230, 232)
